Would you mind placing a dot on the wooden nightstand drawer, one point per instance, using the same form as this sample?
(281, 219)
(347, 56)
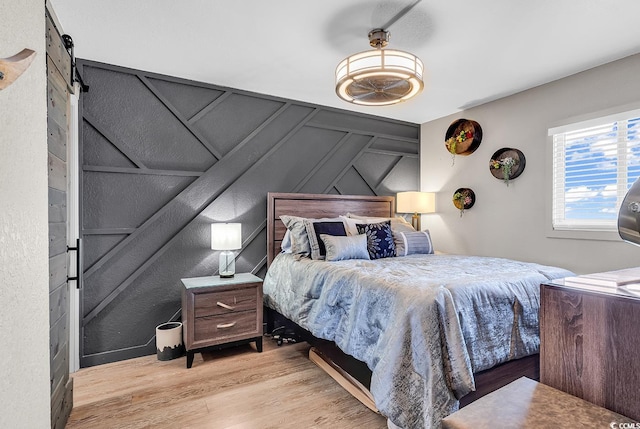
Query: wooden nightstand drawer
(224, 327)
(215, 303)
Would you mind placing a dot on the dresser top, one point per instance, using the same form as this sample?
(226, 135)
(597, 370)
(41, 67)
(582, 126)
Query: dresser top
(195, 282)
(630, 291)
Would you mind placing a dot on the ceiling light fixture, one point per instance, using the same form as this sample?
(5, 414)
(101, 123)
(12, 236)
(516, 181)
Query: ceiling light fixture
(379, 77)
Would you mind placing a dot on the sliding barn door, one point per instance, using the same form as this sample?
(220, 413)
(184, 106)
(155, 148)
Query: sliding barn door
(58, 90)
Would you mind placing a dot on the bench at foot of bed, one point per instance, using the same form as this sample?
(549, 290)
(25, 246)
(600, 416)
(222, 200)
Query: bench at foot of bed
(525, 403)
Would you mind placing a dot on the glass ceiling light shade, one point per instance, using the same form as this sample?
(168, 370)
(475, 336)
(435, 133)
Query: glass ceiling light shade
(379, 77)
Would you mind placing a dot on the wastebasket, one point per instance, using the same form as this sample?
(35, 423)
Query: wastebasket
(169, 341)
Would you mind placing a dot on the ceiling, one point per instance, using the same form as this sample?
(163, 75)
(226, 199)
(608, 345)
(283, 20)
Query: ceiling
(473, 51)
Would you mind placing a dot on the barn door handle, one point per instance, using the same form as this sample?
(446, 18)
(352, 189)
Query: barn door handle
(77, 276)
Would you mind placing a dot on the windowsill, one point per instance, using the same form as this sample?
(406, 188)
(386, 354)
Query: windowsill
(584, 234)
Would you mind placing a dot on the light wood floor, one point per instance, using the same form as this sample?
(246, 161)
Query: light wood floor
(234, 388)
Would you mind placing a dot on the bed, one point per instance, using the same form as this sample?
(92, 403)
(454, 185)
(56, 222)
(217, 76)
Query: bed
(434, 331)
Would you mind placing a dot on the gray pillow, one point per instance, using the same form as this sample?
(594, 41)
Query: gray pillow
(416, 242)
(397, 229)
(316, 228)
(299, 239)
(285, 246)
(345, 247)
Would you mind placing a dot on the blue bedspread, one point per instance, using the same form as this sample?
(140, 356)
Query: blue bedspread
(422, 323)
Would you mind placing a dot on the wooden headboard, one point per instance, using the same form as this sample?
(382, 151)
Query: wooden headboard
(318, 206)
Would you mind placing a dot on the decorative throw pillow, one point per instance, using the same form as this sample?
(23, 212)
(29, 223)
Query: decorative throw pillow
(379, 239)
(314, 229)
(397, 229)
(398, 225)
(350, 247)
(416, 242)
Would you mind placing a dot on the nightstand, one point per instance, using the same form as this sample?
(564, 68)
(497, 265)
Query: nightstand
(221, 311)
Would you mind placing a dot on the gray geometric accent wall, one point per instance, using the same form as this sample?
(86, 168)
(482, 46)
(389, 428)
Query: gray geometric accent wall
(162, 158)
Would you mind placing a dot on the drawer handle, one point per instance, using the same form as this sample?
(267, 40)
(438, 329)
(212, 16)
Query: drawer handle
(223, 305)
(226, 325)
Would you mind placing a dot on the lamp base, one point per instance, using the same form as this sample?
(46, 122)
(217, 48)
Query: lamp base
(415, 221)
(227, 267)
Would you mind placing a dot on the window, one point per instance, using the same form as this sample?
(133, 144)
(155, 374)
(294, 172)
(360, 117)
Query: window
(594, 164)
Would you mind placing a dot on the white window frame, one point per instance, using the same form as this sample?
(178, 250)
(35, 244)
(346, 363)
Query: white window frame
(588, 231)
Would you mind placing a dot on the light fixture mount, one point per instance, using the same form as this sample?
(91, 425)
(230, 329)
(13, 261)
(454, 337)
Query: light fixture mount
(379, 38)
(379, 77)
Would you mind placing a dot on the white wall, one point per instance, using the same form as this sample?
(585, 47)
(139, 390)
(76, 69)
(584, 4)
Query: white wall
(511, 221)
(24, 278)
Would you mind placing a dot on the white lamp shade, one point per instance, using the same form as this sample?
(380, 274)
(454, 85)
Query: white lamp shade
(416, 202)
(226, 236)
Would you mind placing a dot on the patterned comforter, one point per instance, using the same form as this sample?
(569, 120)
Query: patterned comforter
(422, 323)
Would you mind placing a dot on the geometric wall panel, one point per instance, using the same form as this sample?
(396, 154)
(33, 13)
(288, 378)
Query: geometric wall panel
(162, 158)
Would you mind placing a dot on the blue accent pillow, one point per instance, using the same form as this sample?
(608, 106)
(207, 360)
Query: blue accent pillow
(379, 239)
(314, 229)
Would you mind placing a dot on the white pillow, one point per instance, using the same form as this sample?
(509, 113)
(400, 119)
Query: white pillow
(345, 247)
(350, 224)
(370, 219)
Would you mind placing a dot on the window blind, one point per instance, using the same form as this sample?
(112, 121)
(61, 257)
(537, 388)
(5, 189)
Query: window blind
(594, 164)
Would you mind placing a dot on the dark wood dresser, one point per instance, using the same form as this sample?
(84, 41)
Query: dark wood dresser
(590, 344)
(221, 311)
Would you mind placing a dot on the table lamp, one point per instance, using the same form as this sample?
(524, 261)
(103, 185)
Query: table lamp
(416, 202)
(226, 237)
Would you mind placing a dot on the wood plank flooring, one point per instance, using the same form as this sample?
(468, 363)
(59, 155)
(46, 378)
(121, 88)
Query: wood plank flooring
(234, 388)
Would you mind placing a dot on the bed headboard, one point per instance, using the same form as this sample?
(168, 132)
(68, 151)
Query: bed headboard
(318, 206)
